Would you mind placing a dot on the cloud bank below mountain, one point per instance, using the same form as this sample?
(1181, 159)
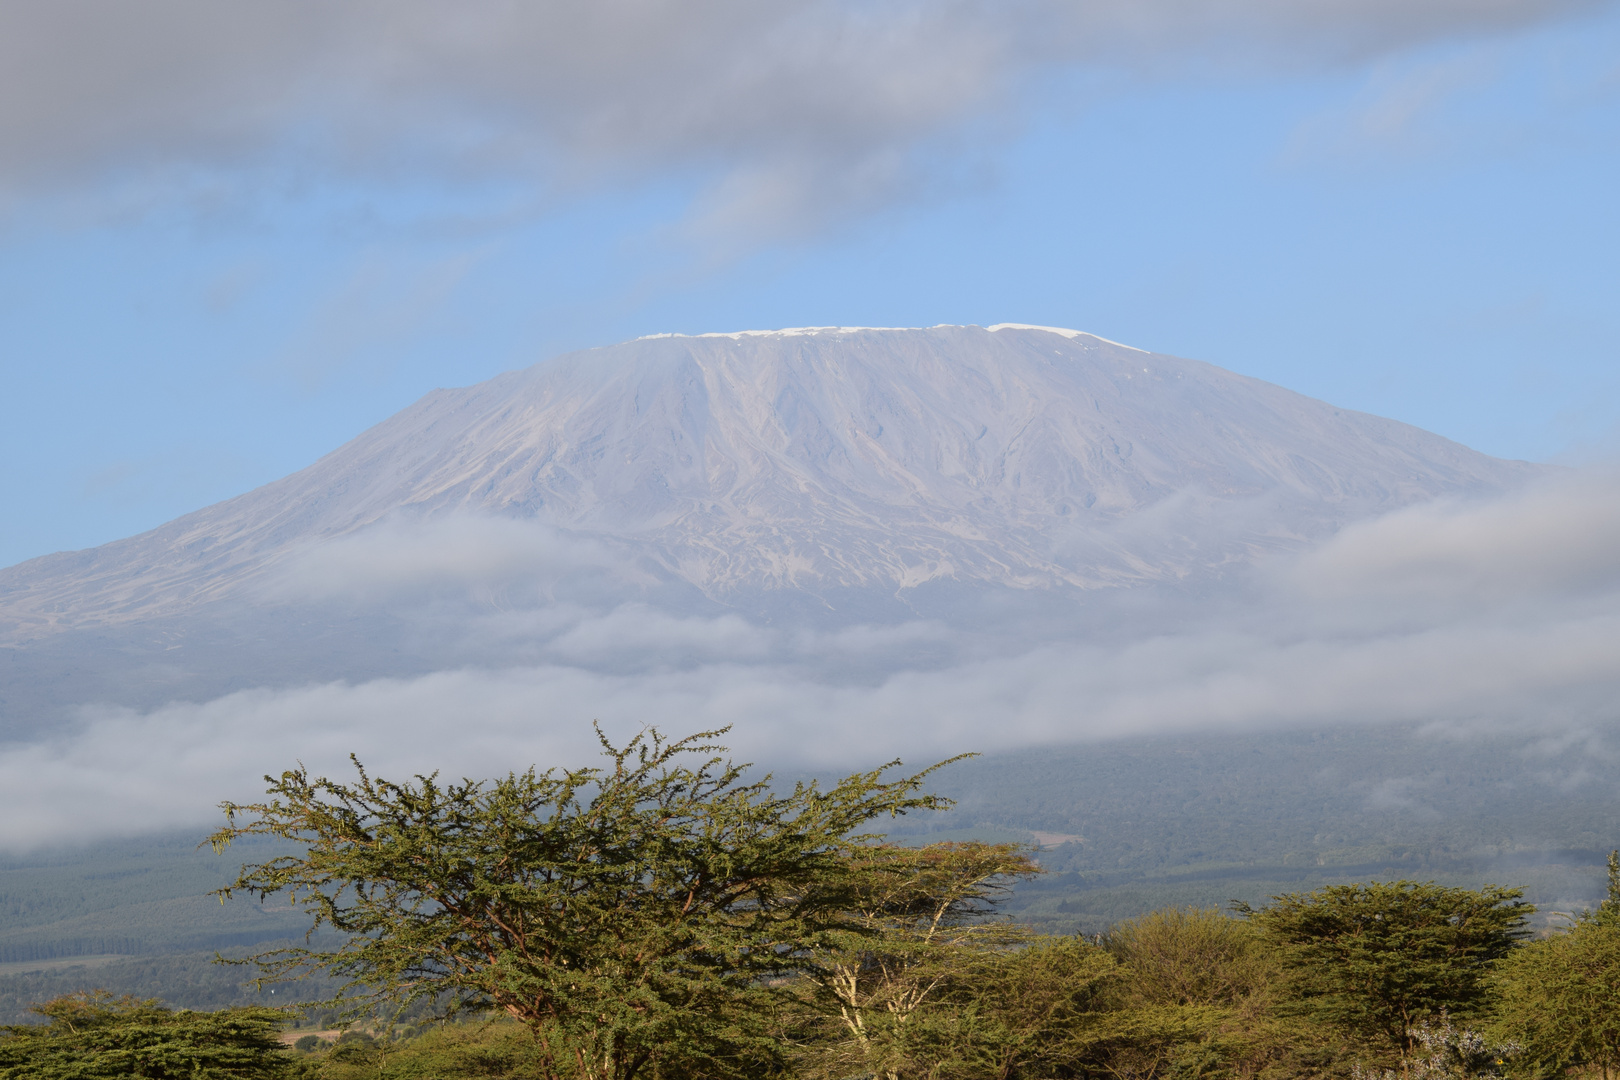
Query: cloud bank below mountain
(1465, 613)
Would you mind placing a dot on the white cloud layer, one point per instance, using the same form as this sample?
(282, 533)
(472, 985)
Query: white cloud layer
(804, 110)
(463, 554)
(1561, 537)
(1484, 614)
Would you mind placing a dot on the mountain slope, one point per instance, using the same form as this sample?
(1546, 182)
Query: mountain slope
(815, 459)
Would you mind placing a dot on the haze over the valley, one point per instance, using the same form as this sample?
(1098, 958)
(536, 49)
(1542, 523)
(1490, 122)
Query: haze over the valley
(850, 543)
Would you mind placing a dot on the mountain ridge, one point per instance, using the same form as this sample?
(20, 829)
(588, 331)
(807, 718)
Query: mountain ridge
(809, 458)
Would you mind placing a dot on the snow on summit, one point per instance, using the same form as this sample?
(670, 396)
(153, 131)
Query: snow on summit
(805, 331)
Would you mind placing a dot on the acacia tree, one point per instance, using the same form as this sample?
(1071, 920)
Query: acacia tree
(1045, 1010)
(1559, 998)
(631, 916)
(915, 917)
(1380, 958)
(1197, 964)
(95, 1036)
(1193, 956)
(1608, 912)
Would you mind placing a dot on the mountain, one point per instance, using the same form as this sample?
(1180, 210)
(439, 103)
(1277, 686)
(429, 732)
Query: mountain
(814, 461)
(977, 491)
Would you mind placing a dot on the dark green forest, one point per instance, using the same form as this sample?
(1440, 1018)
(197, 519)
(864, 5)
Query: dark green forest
(1204, 820)
(140, 897)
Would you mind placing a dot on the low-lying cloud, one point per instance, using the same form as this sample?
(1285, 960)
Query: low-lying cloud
(1557, 538)
(458, 555)
(1368, 627)
(800, 112)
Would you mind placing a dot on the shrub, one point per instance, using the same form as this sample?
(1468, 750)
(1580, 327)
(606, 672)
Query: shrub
(94, 1036)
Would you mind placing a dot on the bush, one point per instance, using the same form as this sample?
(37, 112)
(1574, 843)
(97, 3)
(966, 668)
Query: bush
(1216, 984)
(94, 1035)
(1193, 957)
(1378, 959)
(488, 1050)
(1560, 998)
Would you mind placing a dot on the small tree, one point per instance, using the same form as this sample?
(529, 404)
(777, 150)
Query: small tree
(917, 915)
(1193, 957)
(1200, 965)
(94, 1036)
(1044, 1010)
(631, 916)
(1381, 958)
(1560, 997)
(1609, 910)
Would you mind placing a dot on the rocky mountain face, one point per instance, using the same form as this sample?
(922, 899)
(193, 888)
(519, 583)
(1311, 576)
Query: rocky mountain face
(837, 505)
(818, 462)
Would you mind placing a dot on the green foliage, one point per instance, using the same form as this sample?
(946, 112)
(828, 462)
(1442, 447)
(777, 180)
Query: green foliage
(940, 993)
(913, 914)
(631, 916)
(500, 1050)
(142, 897)
(1560, 999)
(1190, 821)
(1047, 1009)
(916, 916)
(1609, 911)
(1220, 971)
(1198, 820)
(1380, 958)
(1194, 956)
(661, 917)
(1443, 1051)
(95, 1036)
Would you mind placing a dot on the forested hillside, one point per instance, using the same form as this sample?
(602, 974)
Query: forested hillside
(1137, 825)
(1125, 828)
(147, 896)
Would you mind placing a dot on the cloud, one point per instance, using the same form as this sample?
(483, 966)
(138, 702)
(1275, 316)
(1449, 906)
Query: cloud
(1399, 111)
(636, 629)
(1459, 615)
(796, 112)
(1342, 30)
(1560, 538)
(166, 767)
(399, 559)
(1400, 793)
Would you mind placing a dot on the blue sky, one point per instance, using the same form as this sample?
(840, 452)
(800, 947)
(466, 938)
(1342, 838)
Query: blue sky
(226, 251)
